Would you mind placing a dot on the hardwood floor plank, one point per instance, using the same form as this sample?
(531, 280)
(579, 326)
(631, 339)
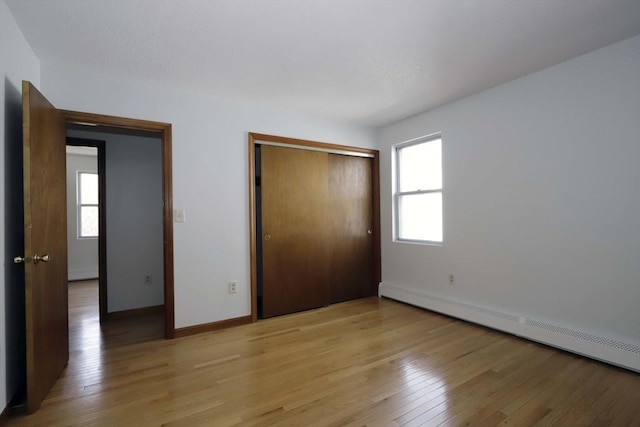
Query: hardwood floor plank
(372, 362)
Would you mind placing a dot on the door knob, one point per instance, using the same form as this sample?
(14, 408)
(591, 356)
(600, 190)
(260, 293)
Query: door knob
(43, 258)
(267, 237)
(369, 232)
(36, 259)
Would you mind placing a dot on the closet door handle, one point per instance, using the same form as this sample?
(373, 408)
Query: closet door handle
(369, 232)
(267, 237)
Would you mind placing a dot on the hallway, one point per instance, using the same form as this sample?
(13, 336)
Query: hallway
(87, 337)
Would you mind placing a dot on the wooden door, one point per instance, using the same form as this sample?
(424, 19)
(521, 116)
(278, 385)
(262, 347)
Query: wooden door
(351, 225)
(45, 224)
(295, 250)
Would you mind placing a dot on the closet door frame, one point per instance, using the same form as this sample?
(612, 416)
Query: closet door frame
(262, 139)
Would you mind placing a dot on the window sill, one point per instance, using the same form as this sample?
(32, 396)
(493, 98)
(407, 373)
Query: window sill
(418, 242)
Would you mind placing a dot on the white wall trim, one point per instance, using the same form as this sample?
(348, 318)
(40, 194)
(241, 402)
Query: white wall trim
(624, 354)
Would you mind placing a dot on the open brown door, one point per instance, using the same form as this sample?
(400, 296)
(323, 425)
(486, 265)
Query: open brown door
(45, 244)
(295, 237)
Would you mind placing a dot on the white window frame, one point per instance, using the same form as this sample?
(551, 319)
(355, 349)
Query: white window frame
(397, 194)
(80, 205)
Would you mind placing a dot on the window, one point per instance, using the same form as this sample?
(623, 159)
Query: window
(418, 190)
(87, 204)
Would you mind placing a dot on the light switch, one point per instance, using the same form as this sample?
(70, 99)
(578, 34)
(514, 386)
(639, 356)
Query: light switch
(178, 215)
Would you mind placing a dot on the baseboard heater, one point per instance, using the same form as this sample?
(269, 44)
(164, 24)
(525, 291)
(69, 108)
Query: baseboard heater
(615, 352)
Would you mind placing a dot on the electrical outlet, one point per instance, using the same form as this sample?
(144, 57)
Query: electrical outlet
(179, 215)
(452, 280)
(147, 279)
(233, 287)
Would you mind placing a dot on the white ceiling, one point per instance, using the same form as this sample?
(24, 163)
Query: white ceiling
(369, 62)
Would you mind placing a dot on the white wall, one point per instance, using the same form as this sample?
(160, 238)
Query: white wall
(541, 206)
(134, 222)
(133, 170)
(17, 63)
(210, 175)
(82, 253)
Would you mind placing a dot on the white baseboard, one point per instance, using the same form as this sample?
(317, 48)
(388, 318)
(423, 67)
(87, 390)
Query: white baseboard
(89, 273)
(624, 354)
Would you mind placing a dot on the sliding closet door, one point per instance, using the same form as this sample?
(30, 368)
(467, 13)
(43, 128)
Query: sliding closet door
(295, 239)
(351, 225)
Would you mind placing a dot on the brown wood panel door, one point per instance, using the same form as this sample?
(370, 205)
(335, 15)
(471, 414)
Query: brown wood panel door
(351, 225)
(294, 236)
(45, 225)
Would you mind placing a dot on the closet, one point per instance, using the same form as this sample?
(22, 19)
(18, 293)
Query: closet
(315, 227)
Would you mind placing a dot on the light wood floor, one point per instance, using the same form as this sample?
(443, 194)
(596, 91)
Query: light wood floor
(86, 336)
(367, 362)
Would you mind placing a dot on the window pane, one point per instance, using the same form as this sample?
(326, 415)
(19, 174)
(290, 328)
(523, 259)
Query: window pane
(88, 221)
(420, 166)
(420, 217)
(88, 189)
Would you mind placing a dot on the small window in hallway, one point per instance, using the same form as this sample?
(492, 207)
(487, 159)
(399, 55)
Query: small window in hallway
(87, 196)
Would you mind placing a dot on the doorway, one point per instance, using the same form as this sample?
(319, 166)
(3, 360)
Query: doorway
(110, 125)
(86, 216)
